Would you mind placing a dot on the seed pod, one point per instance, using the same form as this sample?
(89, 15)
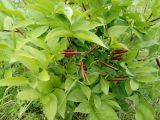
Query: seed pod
(119, 51)
(118, 57)
(68, 53)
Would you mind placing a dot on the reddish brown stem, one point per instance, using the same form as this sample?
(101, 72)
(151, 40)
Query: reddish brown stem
(158, 62)
(107, 65)
(103, 75)
(70, 44)
(90, 50)
(83, 73)
(119, 51)
(68, 53)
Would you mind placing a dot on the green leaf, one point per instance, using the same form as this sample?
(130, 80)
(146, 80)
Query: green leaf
(29, 94)
(49, 106)
(66, 10)
(145, 78)
(134, 84)
(39, 31)
(117, 45)
(83, 107)
(76, 95)
(92, 78)
(61, 97)
(58, 32)
(117, 30)
(114, 13)
(104, 86)
(7, 4)
(86, 90)
(128, 88)
(13, 81)
(44, 76)
(70, 83)
(144, 111)
(113, 104)
(97, 101)
(126, 68)
(144, 69)
(38, 55)
(102, 113)
(88, 36)
(29, 62)
(8, 23)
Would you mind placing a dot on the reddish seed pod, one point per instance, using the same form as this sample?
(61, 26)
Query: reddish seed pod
(118, 57)
(119, 51)
(103, 75)
(68, 53)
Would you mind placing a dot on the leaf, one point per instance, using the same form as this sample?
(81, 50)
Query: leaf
(61, 97)
(13, 81)
(104, 86)
(113, 104)
(114, 13)
(66, 10)
(8, 23)
(88, 36)
(97, 101)
(134, 84)
(83, 107)
(126, 68)
(128, 88)
(28, 94)
(44, 76)
(102, 113)
(92, 78)
(70, 83)
(86, 90)
(30, 63)
(58, 32)
(145, 78)
(144, 111)
(76, 95)
(38, 55)
(117, 30)
(49, 106)
(144, 69)
(7, 4)
(39, 31)
(117, 45)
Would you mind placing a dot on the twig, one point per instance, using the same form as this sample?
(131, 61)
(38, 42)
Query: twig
(69, 41)
(117, 79)
(158, 62)
(146, 5)
(90, 50)
(155, 19)
(84, 7)
(107, 65)
(16, 30)
(103, 75)
(83, 73)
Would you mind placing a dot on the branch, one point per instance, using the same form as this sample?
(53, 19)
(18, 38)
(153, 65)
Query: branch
(107, 65)
(158, 62)
(155, 19)
(90, 50)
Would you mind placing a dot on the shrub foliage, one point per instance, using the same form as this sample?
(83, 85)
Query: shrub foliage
(95, 58)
